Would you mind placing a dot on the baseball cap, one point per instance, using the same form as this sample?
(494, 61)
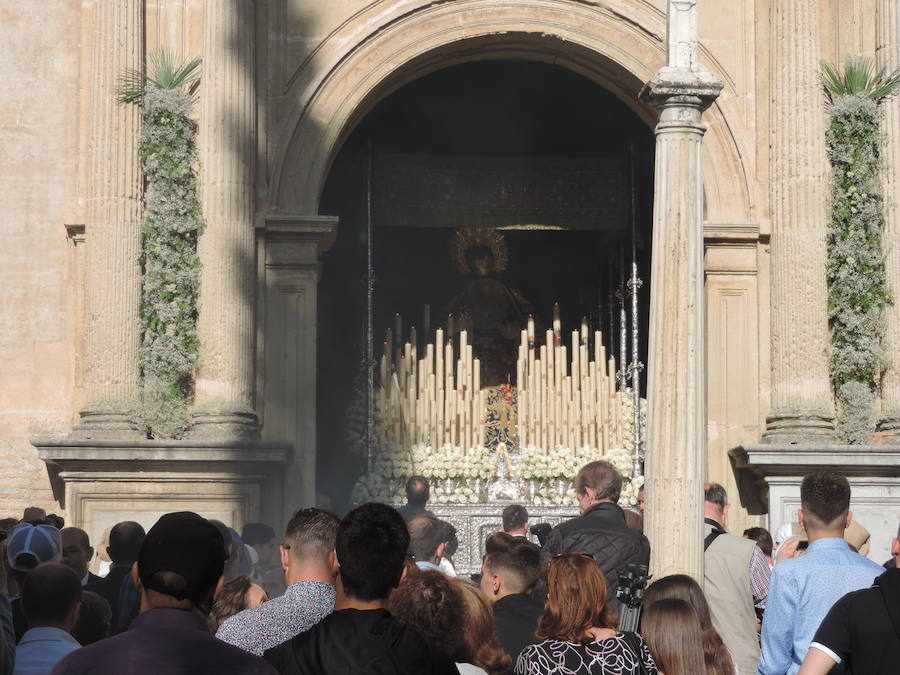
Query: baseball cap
(31, 545)
(188, 545)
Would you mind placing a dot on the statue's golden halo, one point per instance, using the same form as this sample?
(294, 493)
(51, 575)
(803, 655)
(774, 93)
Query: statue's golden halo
(469, 237)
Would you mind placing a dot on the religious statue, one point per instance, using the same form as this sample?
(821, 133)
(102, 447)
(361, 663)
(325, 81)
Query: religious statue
(492, 312)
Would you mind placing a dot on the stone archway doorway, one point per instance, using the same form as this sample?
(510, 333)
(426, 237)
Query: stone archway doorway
(503, 137)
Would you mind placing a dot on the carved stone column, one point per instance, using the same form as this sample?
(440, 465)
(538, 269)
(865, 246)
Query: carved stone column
(225, 380)
(802, 408)
(113, 219)
(887, 22)
(676, 444)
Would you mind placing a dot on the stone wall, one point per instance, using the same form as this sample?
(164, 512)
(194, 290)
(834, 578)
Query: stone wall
(41, 94)
(45, 71)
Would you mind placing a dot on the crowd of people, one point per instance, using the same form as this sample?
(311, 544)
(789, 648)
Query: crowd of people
(376, 592)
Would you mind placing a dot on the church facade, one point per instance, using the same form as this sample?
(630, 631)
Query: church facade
(737, 335)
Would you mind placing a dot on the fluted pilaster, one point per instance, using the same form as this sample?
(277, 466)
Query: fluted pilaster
(113, 223)
(887, 22)
(224, 385)
(802, 408)
(676, 444)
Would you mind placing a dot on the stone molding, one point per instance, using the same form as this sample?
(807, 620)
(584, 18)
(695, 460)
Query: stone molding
(771, 459)
(387, 45)
(100, 483)
(287, 308)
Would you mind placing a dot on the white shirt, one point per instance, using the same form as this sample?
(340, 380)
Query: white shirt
(40, 649)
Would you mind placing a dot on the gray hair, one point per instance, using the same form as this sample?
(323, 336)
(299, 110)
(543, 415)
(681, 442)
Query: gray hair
(602, 477)
(715, 494)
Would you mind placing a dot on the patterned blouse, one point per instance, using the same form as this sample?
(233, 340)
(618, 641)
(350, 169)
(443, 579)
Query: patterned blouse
(611, 656)
(303, 605)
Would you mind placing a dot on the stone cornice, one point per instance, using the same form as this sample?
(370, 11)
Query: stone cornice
(146, 455)
(676, 86)
(796, 460)
(320, 230)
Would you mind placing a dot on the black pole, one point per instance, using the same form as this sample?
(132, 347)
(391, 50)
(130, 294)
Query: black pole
(370, 317)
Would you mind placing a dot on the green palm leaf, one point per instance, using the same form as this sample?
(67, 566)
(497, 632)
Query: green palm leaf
(860, 77)
(164, 72)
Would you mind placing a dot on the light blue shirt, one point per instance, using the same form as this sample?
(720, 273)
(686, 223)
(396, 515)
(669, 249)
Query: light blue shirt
(428, 566)
(40, 649)
(801, 592)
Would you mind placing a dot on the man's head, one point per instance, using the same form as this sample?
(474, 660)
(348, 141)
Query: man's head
(825, 504)
(762, 538)
(77, 550)
(417, 491)
(125, 541)
(261, 538)
(641, 499)
(180, 564)
(307, 553)
(597, 482)
(715, 503)
(427, 538)
(51, 597)
(513, 571)
(371, 546)
(515, 519)
(31, 545)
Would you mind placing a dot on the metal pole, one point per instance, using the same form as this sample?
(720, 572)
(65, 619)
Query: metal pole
(622, 373)
(634, 285)
(370, 320)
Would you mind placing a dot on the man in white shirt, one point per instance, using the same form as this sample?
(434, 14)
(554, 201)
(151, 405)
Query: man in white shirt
(51, 600)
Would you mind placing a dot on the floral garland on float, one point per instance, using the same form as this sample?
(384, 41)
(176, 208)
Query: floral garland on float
(532, 475)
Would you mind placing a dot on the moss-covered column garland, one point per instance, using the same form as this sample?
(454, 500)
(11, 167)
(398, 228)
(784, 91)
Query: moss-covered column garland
(857, 285)
(172, 224)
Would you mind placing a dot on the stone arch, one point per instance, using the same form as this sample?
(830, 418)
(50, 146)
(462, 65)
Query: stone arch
(382, 48)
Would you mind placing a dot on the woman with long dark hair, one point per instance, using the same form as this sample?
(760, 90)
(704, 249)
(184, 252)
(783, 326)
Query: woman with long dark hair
(577, 628)
(672, 631)
(716, 656)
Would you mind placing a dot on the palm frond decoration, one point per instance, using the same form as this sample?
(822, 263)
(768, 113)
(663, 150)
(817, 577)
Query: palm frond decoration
(164, 72)
(860, 77)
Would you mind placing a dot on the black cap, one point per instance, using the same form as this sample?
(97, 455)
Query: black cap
(188, 545)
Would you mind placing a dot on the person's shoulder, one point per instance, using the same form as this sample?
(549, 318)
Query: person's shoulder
(86, 658)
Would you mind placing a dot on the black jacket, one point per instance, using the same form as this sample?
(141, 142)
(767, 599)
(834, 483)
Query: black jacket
(602, 533)
(356, 642)
(516, 617)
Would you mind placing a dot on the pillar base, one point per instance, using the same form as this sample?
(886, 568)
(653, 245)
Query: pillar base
(105, 422)
(799, 429)
(223, 424)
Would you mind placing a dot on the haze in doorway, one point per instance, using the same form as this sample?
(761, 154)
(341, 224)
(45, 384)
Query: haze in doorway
(506, 111)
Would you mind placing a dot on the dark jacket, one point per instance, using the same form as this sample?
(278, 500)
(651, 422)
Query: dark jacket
(123, 598)
(359, 642)
(516, 617)
(162, 642)
(602, 533)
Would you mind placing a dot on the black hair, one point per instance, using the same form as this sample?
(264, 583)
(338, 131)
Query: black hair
(49, 594)
(520, 566)
(125, 541)
(514, 517)
(762, 538)
(94, 620)
(825, 495)
(257, 533)
(371, 546)
(417, 491)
